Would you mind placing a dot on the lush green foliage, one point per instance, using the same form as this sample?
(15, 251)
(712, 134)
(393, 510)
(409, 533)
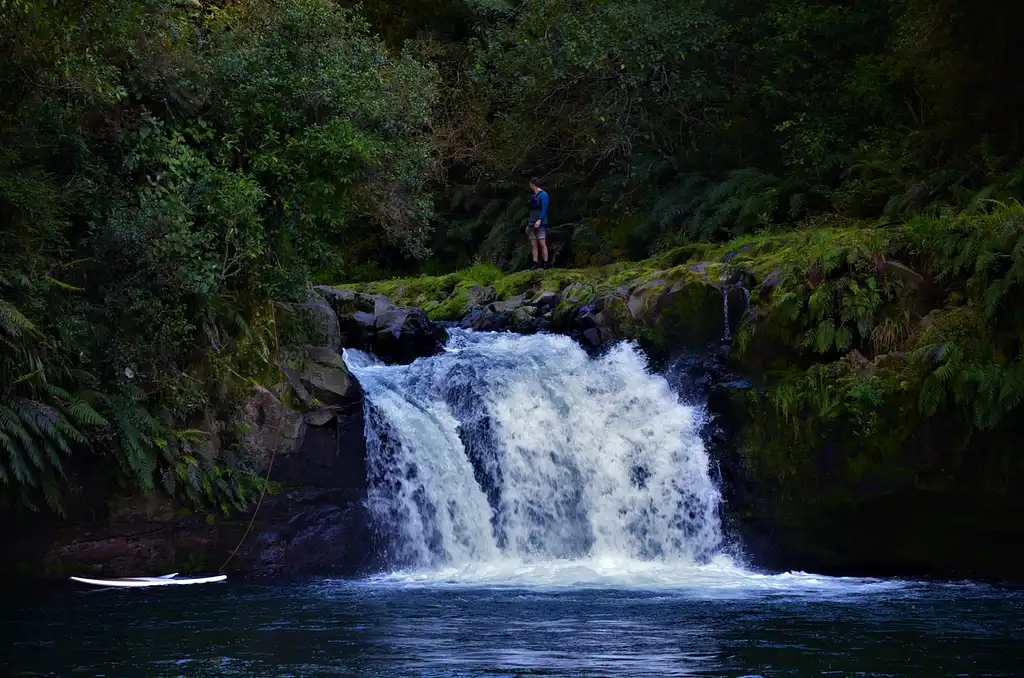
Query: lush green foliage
(169, 171)
(166, 173)
(928, 365)
(661, 123)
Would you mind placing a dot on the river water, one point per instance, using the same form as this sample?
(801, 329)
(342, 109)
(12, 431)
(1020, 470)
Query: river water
(546, 513)
(408, 626)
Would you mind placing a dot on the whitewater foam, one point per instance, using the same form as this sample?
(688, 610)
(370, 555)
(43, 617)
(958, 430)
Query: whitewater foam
(521, 461)
(721, 578)
(526, 448)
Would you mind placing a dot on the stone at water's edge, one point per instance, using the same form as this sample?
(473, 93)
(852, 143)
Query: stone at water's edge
(319, 378)
(404, 334)
(374, 323)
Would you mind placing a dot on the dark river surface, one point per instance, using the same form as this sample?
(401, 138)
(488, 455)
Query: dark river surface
(564, 620)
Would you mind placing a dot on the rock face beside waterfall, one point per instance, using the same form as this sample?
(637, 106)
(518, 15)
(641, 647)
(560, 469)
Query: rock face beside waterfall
(315, 522)
(688, 307)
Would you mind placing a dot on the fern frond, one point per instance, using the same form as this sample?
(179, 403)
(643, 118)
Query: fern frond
(52, 493)
(12, 321)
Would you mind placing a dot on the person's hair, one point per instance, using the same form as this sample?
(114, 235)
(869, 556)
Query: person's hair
(537, 181)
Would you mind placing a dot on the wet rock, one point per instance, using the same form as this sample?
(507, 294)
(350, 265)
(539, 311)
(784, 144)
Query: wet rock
(494, 317)
(269, 425)
(320, 537)
(597, 336)
(478, 295)
(545, 301)
(469, 320)
(523, 315)
(405, 334)
(325, 320)
(374, 323)
(737, 305)
(355, 316)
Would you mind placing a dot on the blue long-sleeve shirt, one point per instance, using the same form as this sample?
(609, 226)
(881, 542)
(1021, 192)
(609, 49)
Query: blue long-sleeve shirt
(539, 207)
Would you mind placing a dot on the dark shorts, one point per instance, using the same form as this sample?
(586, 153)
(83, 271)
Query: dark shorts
(537, 233)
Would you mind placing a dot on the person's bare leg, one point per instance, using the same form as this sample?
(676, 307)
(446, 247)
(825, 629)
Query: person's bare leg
(533, 249)
(543, 251)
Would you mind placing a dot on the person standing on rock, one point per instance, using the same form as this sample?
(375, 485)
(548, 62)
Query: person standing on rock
(537, 226)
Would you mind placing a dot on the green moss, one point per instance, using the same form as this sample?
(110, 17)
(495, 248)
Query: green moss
(691, 316)
(482, 273)
(424, 292)
(833, 434)
(453, 306)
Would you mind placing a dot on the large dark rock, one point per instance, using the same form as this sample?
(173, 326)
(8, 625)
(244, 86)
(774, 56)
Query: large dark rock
(319, 378)
(325, 321)
(396, 334)
(319, 523)
(405, 334)
(354, 312)
(319, 537)
(494, 317)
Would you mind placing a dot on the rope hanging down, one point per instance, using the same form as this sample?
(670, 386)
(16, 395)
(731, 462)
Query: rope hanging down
(277, 441)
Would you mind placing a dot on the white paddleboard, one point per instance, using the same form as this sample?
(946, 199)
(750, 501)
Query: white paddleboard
(163, 580)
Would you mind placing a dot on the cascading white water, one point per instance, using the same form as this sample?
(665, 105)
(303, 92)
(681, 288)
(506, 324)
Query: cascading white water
(525, 449)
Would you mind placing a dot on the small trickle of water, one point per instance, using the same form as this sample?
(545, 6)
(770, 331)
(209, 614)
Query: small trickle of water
(727, 330)
(523, 448)
(727, 334)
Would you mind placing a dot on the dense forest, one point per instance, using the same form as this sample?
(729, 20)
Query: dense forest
(174, 172)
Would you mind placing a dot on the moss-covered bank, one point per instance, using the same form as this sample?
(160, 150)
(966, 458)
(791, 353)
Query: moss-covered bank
(888, 372)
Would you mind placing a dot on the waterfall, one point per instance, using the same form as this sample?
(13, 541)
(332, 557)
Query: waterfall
(524, 448)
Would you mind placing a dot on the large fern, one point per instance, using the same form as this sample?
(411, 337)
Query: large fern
(40, 422)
